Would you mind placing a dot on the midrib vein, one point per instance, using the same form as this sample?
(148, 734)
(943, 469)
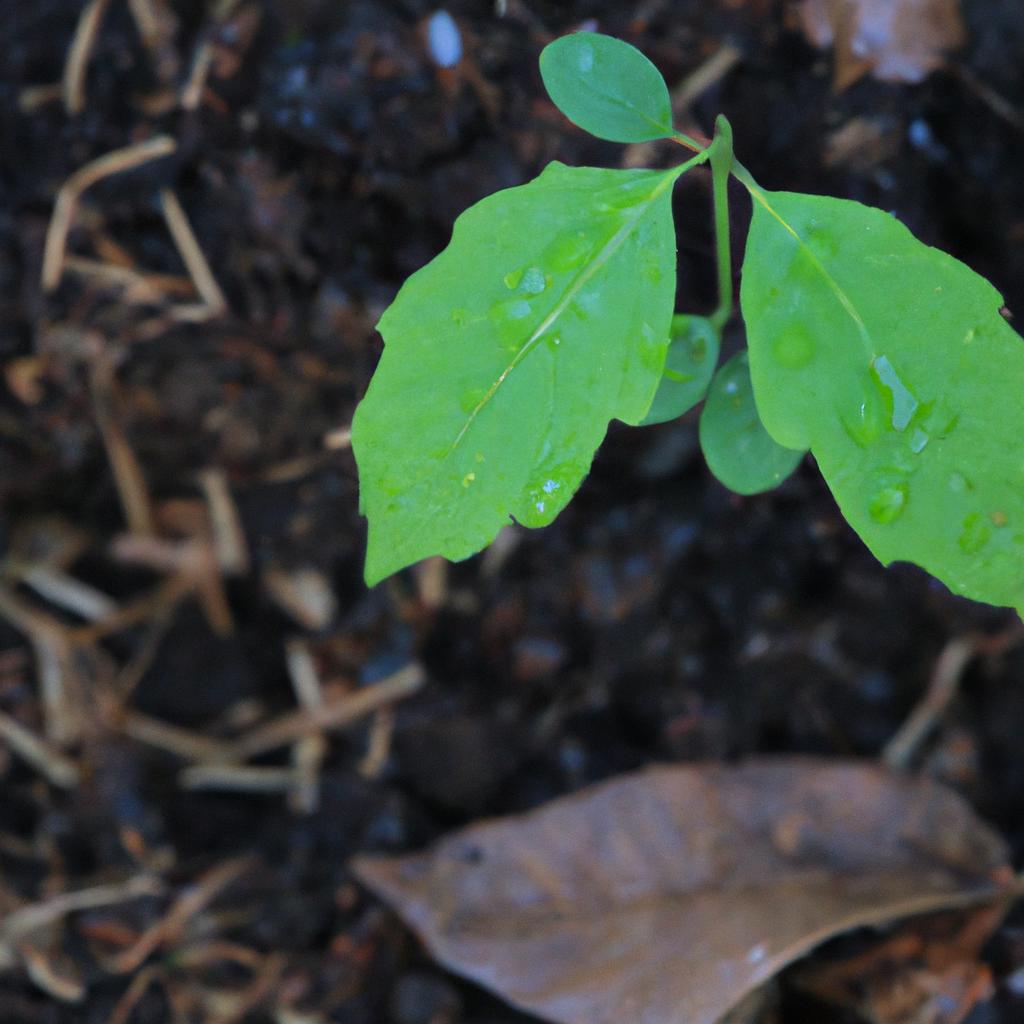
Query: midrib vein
(844, 300)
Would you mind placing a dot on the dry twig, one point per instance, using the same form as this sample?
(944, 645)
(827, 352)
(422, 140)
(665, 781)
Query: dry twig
(22, 923)
(192, 746)
(225, 523)
(335, 715)
(61, 771)
(191, 902)
(942, 689)
(128, 476)
(78, 55)
(54, 651)
(70, 193)
(192, 256)
(238, 778)
(308, 753)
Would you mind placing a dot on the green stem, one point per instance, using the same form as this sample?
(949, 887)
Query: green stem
(697, 145)
(723, 164)
(721, 167)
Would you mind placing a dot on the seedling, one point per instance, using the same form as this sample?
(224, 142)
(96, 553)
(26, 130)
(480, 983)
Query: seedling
(551, 313)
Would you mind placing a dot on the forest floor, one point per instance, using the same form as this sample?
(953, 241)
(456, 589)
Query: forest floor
(178, 503)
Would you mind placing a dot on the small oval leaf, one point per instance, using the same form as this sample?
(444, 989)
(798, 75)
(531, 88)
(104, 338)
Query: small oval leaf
(738, 450)
(689, 365)
(890, 360)
(607, 87)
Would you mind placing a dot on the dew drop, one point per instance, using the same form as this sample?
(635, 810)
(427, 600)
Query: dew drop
(568, 251)
(919, 440)
(940, 419)
(550, 486)
(976, 534)
(794, 348)
(512, 278)
(823, 241)
(585, 59)
(904, 404)
(533, 281)
(958, 483)
(864, 426)
(887, 504)
(468, 479)
(652, 272)
(510, 309)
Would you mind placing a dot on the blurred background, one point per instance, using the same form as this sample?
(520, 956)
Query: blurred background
(204, 208)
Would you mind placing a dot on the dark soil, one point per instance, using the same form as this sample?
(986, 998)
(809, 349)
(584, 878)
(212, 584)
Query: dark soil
(660, 618)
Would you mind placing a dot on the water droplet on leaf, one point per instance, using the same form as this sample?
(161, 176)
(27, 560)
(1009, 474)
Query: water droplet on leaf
(513, 277)
(568, 251)
(939, 419)
(958, 483)
(904, 404)
(866, 423)
(887, 504)
(976, 534)
(507, 317)
(533, 281)
(919, 440)
(794, 348)
(585, 59)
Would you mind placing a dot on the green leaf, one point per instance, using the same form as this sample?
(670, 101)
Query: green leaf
(689, 364)
(891, 361)
(607, 87)
(506, 356)
(736, 447)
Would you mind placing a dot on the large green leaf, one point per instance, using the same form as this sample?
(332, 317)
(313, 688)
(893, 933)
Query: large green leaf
(607, 87)
(506, 356)
(690, 362)
(738, 450)
(891, 361)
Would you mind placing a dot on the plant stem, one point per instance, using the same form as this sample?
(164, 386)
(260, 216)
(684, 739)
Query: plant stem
(722, 162)
(699, 144)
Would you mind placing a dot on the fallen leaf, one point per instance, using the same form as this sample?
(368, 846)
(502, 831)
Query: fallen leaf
(669, 894)
(896, 40)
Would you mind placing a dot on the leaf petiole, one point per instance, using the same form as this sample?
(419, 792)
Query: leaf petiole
(722, 160)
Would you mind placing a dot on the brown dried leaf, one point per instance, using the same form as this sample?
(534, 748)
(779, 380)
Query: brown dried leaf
(669, 894)
(897, 40)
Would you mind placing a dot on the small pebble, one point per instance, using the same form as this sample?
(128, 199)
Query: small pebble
(444, 39)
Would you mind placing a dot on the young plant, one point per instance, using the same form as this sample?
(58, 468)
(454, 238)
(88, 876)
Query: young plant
(551, 313)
